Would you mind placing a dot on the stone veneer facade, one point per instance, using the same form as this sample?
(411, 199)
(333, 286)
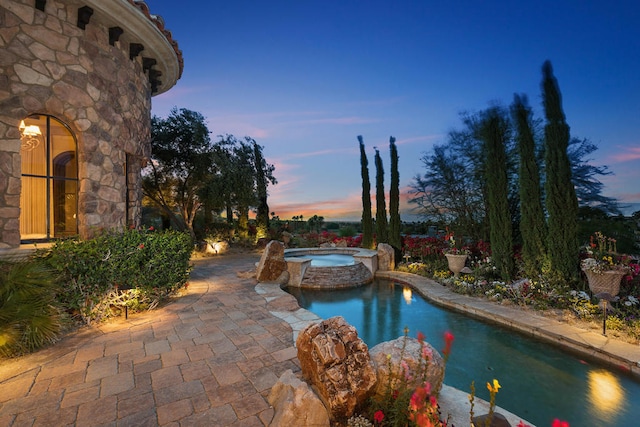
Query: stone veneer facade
(95, 80)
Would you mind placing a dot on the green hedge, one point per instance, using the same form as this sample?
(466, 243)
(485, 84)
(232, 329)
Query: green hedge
(134, 268)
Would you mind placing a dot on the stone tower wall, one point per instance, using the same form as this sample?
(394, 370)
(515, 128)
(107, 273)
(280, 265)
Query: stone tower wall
(48, 65)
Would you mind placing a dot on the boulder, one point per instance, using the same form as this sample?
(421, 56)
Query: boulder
(336, 362)
(391, 354)
(386, 257)
(341, 243)
(497, 420)
(286, 238)
(295, 404)
(272, 263)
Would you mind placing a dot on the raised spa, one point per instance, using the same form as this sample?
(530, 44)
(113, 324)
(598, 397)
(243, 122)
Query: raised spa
(330, 268)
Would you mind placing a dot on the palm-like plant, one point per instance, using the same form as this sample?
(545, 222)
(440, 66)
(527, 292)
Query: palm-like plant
(29, 318)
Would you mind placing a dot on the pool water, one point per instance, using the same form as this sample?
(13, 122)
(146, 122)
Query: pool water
(328, 260)
(539, 382)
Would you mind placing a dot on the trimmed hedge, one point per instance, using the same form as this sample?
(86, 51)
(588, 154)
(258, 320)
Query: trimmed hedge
(134, 268)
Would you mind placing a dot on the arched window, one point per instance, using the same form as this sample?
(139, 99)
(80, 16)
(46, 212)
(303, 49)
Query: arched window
(49, 196)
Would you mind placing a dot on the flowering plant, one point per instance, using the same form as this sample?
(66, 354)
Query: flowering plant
(454, 249)
(602, 255)
(405, 404)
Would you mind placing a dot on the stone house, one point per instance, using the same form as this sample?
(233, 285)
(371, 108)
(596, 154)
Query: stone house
(76, 81)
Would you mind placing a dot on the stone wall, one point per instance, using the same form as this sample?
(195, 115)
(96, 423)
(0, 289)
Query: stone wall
(48, 65)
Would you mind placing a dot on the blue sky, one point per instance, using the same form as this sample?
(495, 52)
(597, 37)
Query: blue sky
(305, 78)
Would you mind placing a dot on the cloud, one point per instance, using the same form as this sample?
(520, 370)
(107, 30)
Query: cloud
(627, 154)
(338, 121)
(420, 138)
(327, 152)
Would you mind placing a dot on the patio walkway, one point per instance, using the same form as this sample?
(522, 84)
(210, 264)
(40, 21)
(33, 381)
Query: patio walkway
(208, 358)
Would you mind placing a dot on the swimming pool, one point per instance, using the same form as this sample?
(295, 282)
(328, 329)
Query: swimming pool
(539, 381)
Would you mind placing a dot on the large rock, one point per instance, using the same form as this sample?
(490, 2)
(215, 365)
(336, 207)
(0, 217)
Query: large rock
(391, 354)
(272, 263)
(295, 404)
(336, 362)
(386, 257)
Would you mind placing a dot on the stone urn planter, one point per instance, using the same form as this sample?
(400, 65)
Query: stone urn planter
(605, 282)
(605, 286)
(456, 263)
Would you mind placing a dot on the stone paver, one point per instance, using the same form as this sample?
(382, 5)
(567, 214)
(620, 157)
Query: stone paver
(208, 358)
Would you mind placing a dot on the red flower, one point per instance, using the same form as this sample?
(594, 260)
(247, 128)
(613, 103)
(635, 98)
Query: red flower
(558, 423)
(448, 340)
(420, 337)
(151, 228)
(141, 246)
(378, 416)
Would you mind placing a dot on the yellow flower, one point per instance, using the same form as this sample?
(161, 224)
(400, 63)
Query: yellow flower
(495, 387)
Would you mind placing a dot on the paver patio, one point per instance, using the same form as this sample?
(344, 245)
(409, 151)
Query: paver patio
(207, 358)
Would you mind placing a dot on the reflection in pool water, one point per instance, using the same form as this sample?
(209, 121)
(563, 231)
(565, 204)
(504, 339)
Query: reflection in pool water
(539, 382)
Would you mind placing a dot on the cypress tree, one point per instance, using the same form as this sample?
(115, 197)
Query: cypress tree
(561, 200)
(395, 239)
(262, 213)
(367, 223)
(382, 232)
(493, 132)
(532, 224)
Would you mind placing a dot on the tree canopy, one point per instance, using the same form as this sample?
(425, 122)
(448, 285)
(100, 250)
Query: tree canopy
(188, 173)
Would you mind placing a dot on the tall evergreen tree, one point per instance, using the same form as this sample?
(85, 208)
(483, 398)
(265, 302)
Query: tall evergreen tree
(367, 223)
(494, 131)
(382, 232)
(395, 239)
(532, 223)
(561, 200)
(262, 211)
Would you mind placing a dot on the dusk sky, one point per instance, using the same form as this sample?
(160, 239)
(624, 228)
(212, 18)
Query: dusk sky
(305, 78)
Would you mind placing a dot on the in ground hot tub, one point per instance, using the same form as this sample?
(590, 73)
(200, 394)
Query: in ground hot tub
(330, 268)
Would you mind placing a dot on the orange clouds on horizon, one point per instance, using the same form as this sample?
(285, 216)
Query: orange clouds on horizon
(346, 209)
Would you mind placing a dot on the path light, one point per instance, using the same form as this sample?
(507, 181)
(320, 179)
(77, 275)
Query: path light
(604, 298)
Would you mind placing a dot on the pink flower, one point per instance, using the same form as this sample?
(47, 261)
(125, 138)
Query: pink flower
(558, 423)
(151, 228)
(378, 416)
(426, 353)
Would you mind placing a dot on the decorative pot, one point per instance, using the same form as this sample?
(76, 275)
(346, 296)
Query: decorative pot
(605, 282)
(456, 263)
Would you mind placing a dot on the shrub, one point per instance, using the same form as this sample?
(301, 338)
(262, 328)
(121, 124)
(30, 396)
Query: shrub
(29, 318)
(135, 268)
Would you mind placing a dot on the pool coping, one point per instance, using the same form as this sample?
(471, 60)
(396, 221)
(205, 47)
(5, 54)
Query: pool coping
(589, 344)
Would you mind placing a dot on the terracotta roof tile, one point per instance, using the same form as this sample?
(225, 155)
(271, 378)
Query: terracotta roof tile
(159, 22)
